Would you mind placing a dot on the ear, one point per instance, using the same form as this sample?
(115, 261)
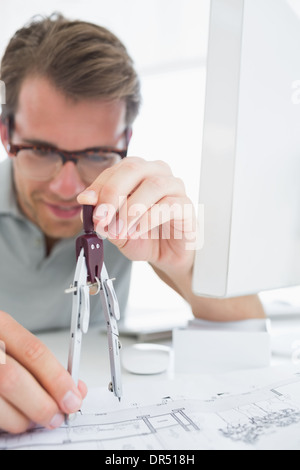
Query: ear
(128, 132)
(4, 134)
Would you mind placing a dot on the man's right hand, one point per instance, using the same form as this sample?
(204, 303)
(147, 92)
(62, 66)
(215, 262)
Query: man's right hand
(34, 386)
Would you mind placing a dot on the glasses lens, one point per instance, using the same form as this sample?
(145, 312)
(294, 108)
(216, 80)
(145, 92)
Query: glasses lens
(43, 165)
(90, 165)
(38, 164)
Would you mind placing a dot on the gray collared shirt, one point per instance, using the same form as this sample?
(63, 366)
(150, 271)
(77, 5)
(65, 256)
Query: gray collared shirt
(32, 284)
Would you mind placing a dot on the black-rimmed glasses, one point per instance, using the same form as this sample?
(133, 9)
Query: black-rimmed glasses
(42, 163)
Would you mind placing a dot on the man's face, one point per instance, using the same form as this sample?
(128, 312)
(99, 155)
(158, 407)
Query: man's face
(46, 116)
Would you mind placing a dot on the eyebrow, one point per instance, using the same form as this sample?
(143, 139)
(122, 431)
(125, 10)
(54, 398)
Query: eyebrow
(43, 143)
(39, 143)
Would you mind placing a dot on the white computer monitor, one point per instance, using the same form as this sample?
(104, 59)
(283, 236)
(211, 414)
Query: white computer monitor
(250, 168)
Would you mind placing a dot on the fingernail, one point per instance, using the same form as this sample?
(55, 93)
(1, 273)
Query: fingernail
(116, 227)
(71, 402)
(88, 196)
(57, 421)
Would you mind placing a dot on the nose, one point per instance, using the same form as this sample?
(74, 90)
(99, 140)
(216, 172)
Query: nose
(67, 183)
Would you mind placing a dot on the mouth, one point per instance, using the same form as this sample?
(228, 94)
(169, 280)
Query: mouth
(64, 211)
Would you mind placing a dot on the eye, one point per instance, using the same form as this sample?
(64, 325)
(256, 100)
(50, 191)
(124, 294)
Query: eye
(98, 157)
(41, 153)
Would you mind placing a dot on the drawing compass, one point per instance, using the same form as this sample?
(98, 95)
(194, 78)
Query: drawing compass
(91, 278)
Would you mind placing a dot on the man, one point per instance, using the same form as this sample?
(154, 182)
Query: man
(71, 97)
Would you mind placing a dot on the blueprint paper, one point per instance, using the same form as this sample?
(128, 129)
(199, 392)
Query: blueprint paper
(262, 415)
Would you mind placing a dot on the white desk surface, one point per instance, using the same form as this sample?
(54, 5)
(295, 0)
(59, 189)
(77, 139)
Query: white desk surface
(95, 370)
(94, 367)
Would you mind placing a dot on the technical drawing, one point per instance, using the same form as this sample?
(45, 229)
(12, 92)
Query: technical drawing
(263, 418)
(259, 422)
(266, 416)
(103, 432)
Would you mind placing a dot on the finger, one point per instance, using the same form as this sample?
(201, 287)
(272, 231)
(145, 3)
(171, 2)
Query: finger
(82, 388)
(20, 389)
(174, 216)
(11, 420)
(113, 186)
(29, 351)
(149, 193)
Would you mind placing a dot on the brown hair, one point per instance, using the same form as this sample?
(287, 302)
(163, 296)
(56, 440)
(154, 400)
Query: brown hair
(83, 60)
